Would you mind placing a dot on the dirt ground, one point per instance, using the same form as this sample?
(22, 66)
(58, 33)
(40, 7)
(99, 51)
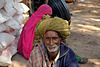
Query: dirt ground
(85, 33)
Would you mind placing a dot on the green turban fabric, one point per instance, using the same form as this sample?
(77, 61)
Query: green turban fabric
(56, 24)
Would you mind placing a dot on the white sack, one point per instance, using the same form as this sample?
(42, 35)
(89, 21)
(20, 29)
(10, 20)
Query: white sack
(17, 1)
(5, 40)
(8, 29)
(24, 7)
(9, 9)
(9, 1)
(21, 8)
(18, 8)
(3, 12)
(20, 18)
(3, 18)
(15, 33)
(6, 55)
(4, 61)
(12, 23)
(3, 28)
(19, 32)
(2, 3)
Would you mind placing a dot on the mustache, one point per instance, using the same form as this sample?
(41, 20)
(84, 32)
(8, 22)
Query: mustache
(52, 46)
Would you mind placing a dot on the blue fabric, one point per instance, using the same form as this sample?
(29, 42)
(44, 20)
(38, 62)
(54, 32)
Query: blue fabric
(67, 60)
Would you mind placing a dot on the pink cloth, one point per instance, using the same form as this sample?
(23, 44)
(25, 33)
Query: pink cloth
(25, 42)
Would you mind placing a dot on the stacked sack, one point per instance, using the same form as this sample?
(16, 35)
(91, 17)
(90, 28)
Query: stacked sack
(12, 14)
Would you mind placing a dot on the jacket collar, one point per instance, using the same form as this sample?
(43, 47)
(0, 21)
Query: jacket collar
(63, 50)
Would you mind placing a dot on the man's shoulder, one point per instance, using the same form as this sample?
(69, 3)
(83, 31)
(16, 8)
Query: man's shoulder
(65, 49)
(39, 46)
(67, 52)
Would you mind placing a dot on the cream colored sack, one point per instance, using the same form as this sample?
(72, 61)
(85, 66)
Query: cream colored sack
(5, 40)
(3, 28)
(6, 55)
(12, 23)
(2, 3)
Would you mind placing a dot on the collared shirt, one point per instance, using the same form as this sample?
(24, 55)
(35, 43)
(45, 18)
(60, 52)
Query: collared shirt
(54, 64)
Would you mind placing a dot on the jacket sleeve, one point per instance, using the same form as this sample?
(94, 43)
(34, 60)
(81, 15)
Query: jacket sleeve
(73, 62)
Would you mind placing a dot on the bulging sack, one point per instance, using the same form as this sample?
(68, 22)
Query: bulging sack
(12, 23)
(18, 8)
(9, 1)
(20, 18)
(3, 16)
(17, 1)
(25, 8)
(9, 9)
(2, 3)
(3, 28)
(21, 8)
(5, 40)
(6, 55)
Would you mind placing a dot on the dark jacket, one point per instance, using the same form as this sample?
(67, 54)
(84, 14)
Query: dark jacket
(67, 57)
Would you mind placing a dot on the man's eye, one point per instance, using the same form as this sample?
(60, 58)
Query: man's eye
(47, 38)
(55, 37)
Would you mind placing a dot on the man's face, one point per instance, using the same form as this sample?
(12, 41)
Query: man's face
(52, 41)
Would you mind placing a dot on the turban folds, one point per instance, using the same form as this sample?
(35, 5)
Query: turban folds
(56, 24)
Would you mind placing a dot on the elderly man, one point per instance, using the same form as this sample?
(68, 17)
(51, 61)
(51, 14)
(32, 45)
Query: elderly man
(51, 52)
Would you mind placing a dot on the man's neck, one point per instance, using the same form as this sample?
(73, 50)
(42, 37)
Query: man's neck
(52, 55)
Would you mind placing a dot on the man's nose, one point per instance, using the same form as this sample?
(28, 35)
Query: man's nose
(51, 42)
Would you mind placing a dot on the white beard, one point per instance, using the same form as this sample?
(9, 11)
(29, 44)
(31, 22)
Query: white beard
(52, 48)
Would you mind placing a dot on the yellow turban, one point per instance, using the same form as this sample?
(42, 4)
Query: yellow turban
(55, 24)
